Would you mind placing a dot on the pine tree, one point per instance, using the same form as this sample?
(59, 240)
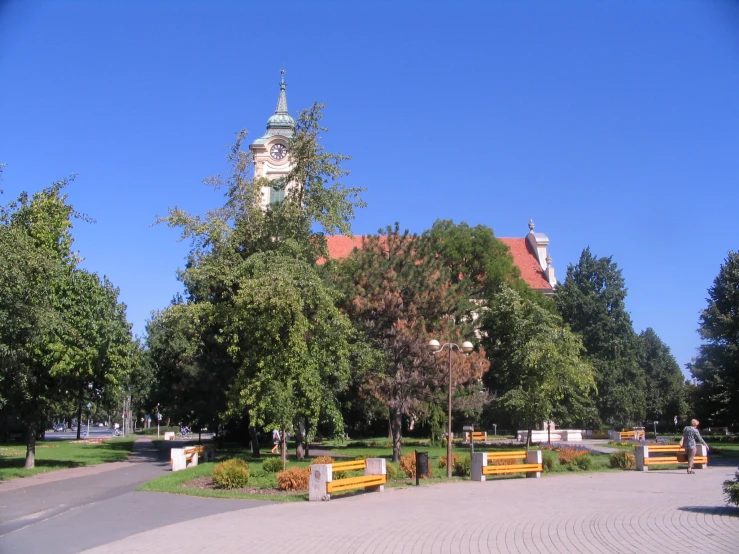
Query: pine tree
(717, 365)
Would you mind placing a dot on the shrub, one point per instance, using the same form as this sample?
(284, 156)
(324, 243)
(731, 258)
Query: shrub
(567, 454)
(294, 479)
(549, 461)
(231, 474)
(442, 461)
(731, 490)
(408, 464)
(462, 466)
(272, 465)
(584, 462)
(392, 471)
(623, 459)
(322, 460)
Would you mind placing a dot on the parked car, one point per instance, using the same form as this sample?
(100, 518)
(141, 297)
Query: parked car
(100, 425)
(60, 428)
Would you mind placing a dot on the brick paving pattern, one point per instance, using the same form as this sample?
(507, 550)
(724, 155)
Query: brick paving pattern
(615, 513)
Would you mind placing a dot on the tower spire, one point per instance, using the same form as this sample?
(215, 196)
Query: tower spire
(281, 123)
(282, 100)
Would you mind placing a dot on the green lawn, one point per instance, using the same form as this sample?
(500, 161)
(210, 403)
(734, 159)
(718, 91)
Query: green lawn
(54, 455)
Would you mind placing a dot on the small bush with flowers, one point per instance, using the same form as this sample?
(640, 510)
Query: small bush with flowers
(568, 453)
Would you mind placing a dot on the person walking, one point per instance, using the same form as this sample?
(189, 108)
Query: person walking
(691, 435)
(275, 440)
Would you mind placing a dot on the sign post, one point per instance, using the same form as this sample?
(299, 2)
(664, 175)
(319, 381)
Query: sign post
(470, 429)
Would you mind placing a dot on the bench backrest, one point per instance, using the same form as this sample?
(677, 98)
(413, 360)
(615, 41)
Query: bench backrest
(349, 466)
(513, 455)
(665, 448)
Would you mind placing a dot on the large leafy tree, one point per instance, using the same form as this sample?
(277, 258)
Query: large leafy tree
(227, 276)
(293, 348)
(666, 394)
(399, 293)
(539, 368)
(717, 366)
(475, 255)
(59, 325)
(591, 301)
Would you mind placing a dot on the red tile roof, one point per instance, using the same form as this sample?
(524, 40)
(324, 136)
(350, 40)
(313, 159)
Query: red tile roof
(340, 247)
(526, 260)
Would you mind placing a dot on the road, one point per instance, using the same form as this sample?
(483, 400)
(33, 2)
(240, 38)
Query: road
(94, 506)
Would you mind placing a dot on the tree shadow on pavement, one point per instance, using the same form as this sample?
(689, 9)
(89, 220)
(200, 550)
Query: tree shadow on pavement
(712, 510)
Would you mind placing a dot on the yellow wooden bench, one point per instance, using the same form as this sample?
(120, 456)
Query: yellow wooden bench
(477, 436)
(532, 464)
(631, 435)
(644, 457)
(322, 483)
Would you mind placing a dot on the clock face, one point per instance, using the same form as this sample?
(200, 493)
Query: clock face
(278, 151)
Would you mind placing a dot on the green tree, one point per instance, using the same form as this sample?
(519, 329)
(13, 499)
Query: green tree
(227, 276)
(475, 255)
(58, 324)
(292, 346)
(665, 382)
(591, 302)
(717, 366)
(400, 295)
(538, 361)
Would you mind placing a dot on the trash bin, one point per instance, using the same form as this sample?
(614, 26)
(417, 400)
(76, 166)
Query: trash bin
(422, 464)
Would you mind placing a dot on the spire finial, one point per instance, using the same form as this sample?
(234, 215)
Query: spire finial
(282, 78)
(531, 225)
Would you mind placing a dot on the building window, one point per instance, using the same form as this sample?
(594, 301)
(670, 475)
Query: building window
(277, 192)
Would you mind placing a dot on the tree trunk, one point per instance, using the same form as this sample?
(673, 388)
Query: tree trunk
(396, 427)
(79, 419)
(300, 441)
(283, 449)
(254, 441)
(31, 446)
(530, 430)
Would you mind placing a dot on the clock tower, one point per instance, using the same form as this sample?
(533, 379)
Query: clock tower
(271, 152)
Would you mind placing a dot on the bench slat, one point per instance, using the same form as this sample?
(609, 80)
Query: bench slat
(665, 448)
(513, 455)
(349, 466)
(673, 460)
(518, 468)
(356, 483)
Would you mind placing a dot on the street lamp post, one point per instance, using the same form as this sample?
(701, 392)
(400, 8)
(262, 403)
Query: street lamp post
(434, 346)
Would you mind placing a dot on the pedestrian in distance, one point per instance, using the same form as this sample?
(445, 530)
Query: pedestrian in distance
(691, 436)
(275, 441)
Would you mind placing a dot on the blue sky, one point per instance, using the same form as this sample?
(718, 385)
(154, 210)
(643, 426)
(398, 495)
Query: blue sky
(613, 125)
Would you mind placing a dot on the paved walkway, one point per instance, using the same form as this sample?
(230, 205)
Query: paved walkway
(68, 511)
(617, 513)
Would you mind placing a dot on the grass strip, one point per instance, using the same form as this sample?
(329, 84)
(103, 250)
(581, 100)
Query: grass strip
(56, 455)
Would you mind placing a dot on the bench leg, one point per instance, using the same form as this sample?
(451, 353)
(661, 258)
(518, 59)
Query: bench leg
(320, 476)
(375, 466)
(534, 457)
(642, 454)
(479, 461)
(179, 461)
